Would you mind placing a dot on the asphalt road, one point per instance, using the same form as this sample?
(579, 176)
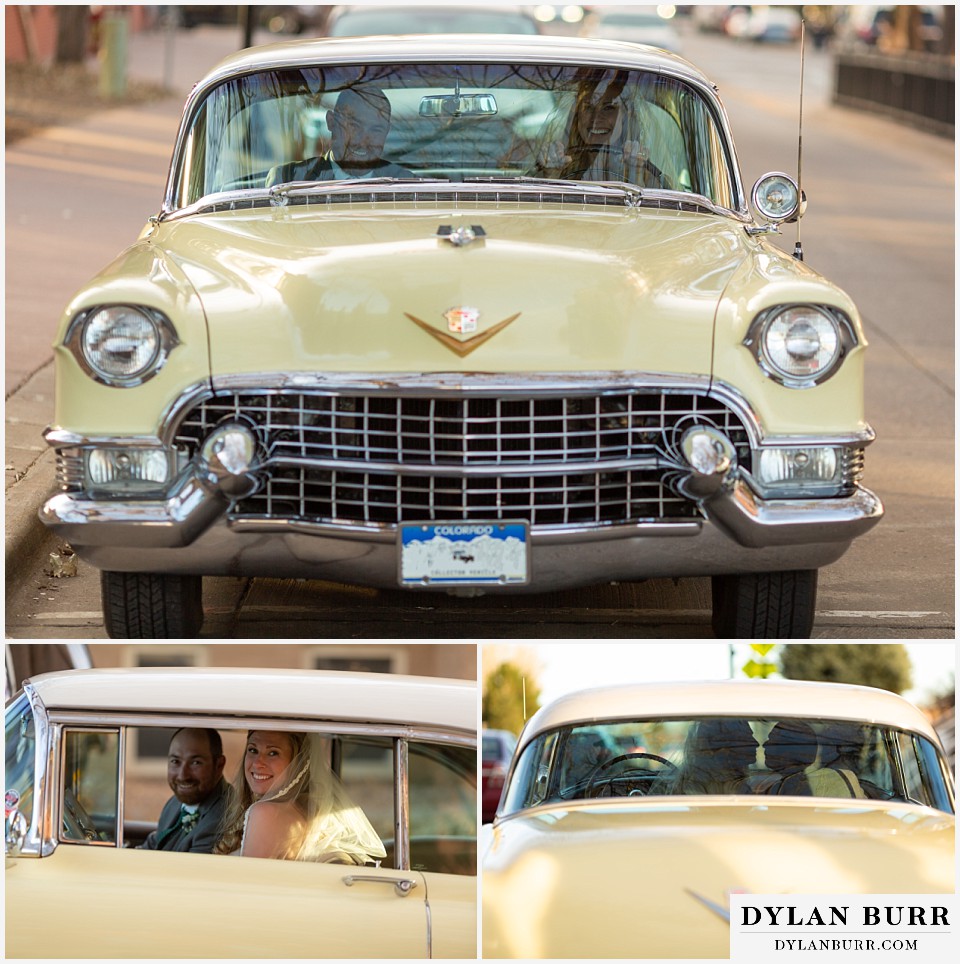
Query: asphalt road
(880, 223)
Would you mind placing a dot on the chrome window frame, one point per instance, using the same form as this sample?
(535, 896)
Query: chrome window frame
(400, 735)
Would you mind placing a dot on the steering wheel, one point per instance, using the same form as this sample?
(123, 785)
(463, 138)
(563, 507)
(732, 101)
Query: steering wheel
(77, 821)
(637, 783)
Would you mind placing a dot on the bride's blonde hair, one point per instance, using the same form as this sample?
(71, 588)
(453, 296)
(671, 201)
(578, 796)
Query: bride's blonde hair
(242, 798)
(334, 827)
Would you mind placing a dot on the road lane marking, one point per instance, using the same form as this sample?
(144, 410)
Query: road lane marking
(114, 142)
(878, 613)
(99, 171)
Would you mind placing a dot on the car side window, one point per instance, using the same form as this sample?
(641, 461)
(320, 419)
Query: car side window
(90, 786)
(912, 766)
(366, 769)
(443, 808)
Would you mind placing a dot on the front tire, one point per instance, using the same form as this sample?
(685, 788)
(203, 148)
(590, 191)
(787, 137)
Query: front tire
(138, 605)
(765, 605)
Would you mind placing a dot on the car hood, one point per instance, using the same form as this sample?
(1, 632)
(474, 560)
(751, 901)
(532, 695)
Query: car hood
(668, 868)
(370, 288)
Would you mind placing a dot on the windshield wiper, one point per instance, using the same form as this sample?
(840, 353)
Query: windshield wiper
(347, 184)
(595, 187)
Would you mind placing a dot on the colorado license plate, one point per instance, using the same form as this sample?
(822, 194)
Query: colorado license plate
(464, 554)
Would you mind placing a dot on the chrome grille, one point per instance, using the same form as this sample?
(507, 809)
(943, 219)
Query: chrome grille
(542, 500)
(385, 459)
(465, 431)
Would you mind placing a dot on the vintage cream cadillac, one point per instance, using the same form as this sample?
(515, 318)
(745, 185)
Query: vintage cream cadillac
(498, 320)
(632, 812)
(82, 746)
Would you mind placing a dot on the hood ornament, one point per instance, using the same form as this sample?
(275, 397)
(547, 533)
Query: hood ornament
(462, 320)
(461, 235)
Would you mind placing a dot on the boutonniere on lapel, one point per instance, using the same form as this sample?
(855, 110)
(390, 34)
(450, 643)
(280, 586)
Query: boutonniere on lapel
(188, 820)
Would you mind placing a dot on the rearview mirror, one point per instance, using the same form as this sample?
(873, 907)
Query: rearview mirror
(458, 105)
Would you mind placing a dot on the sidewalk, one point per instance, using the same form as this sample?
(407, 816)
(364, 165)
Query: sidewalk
(175, 59)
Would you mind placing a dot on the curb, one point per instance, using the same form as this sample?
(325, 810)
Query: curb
(28, 412)
(25, 533)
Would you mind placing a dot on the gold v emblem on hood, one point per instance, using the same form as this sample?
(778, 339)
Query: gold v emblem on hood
(462, 347)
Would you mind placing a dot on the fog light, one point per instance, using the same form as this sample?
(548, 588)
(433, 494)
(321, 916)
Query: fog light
(708, 451)
(231, 446)
(791, 472)
(127, 470)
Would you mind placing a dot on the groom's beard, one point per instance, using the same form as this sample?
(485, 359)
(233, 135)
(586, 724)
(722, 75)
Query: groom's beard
(362, 167)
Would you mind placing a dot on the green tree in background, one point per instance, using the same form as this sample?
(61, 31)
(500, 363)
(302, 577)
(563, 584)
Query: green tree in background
(504, 693)
(886, 666)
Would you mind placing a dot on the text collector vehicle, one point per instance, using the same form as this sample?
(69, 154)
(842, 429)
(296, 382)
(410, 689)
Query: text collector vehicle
(651, 803)
(86, 761)
(460, 314)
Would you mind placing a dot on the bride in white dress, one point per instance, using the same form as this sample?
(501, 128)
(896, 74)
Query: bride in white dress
(288, 804)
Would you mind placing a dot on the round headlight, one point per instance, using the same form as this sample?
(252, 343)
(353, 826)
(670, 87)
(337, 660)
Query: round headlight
(776, 197)
(121, 343)
(801, 342)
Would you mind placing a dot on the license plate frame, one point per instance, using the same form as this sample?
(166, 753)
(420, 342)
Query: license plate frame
(444, 554)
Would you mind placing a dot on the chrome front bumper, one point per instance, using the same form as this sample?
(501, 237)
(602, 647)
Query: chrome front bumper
(190, 531)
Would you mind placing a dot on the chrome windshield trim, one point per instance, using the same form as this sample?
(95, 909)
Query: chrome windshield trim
(34, 844)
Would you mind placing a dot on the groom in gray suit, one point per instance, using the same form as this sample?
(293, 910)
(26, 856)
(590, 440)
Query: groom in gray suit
(191, 817)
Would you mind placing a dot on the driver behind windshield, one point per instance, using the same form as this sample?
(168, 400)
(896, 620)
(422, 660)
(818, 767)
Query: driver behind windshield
(359, 124)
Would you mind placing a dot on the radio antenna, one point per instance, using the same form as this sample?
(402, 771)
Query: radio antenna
(798, 247)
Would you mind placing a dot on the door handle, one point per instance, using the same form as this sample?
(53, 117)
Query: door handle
(402, 885)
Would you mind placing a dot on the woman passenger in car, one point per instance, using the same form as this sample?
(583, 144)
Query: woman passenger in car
(717, 756)
(604, 140)
(288, 804)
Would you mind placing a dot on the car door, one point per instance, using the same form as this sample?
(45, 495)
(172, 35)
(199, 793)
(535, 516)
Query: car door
(434, 816)
(443, 841)
(93, 897)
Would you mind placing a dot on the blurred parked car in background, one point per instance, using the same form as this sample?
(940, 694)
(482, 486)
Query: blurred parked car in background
(358, 20)
(497, 749)
(764, 24)
(641, 25)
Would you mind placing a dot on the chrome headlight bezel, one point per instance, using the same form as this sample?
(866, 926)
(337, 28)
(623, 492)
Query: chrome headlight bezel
(778, 198)
(162, 333)
(763, 329)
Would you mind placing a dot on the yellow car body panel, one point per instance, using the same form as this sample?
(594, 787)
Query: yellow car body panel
(253, 908)
(577, 881)
(325, 291)
(143, 274)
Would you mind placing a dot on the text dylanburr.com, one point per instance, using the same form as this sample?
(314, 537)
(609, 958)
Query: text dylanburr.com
(864, 927)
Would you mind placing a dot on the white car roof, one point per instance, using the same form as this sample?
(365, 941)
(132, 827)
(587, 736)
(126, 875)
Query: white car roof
(311, 694)
(750, 698)
(439, 48)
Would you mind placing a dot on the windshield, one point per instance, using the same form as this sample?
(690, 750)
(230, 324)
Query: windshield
(729, 755)
(454, 122)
